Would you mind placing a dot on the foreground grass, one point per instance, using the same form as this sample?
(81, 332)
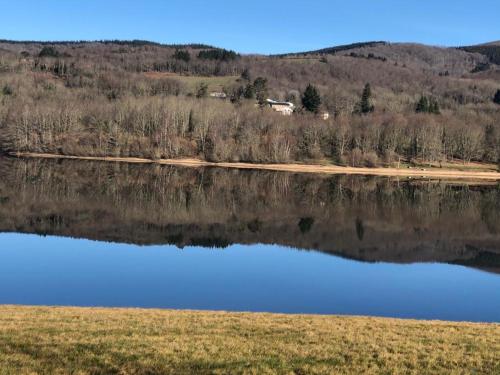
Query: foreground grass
(128, 341)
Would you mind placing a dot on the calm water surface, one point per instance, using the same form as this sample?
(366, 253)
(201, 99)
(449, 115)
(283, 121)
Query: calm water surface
(94, 234)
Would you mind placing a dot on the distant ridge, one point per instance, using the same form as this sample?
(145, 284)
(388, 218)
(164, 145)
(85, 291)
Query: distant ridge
(140, 42)
(495, 43)
(335, 49)
(491, 50)
(419, 58)
(133, 42)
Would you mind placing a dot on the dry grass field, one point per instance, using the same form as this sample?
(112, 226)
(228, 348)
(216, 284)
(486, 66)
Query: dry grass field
(215, 83)
(45, 340)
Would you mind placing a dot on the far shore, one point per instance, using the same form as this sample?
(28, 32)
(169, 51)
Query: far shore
(419, 172)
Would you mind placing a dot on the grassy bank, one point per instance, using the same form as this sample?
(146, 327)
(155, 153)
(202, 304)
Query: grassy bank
(77, 340)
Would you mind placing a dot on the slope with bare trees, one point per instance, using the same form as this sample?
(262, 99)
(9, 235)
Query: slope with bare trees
(137, 98)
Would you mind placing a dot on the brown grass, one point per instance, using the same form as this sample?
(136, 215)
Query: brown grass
(192, 82)
(47, 340)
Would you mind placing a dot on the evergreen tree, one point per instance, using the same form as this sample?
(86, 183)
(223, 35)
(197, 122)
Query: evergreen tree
(236, 94)
(365, 105)
(246, 75)
(496, 99)
(427, 105)
(311, 100)
(260, 89)
(249, 92)
(422, 105)
(434, 106)
(48, 52)
(218, 54)
(182, 55)
(7, 90)
(191, 122)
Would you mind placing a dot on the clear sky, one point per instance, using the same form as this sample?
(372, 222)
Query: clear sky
(254, 26)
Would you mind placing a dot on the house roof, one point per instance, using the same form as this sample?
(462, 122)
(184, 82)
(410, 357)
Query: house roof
(274, 102)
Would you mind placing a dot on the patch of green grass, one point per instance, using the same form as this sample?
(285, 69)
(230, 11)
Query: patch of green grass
(44, 340)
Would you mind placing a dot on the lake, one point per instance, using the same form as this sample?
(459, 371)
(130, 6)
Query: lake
(103, 234)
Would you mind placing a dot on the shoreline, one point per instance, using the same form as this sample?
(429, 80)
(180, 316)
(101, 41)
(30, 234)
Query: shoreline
(291, 167)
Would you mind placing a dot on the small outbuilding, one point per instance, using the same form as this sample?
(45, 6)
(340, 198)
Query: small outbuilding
(285, 108)
(218, 95)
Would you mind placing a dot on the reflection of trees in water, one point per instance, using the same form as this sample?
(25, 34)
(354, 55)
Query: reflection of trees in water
(360, 229)
(360, 217)
(305, 224)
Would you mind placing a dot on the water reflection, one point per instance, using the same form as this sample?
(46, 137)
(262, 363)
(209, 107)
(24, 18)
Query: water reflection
(371, 219)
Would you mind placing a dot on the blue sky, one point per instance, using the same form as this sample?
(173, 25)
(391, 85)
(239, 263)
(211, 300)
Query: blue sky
(254, 26)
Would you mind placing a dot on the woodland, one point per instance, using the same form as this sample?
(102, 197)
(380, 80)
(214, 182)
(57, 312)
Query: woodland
(388, 103)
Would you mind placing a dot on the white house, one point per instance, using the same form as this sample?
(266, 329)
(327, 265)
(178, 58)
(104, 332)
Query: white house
(324, 115)
(285, 108)
(218, 95)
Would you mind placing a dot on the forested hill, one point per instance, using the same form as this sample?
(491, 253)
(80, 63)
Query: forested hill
(491, 50)
(336, 49)
(387, 101)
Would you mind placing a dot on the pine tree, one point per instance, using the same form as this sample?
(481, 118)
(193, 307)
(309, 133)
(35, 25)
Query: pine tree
(434, 107)
(191, 122)
(260, 89)
(427, 105)
(365, 105)
(422, 105)
(249, 92)
(7, 90)
(182, 55)
(311, 100)
(49, 52)
(246, 75)
(236, 94)
(496, 99)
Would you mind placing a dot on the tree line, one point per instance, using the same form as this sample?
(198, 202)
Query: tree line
(172, 127)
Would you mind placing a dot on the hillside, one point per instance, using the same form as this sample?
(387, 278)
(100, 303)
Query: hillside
(417, 57)
(490, 50)
(138, 98)
(412, 65)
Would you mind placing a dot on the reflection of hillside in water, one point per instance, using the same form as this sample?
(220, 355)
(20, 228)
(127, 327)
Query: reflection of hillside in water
(365, 218)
